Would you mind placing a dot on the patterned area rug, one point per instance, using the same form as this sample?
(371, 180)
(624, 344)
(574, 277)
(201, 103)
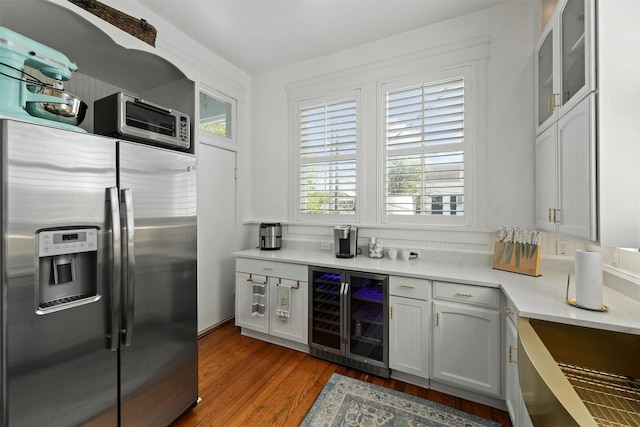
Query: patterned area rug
(346, 401)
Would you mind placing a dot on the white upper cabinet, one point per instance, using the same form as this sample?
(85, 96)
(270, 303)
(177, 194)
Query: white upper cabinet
(565, 61)
(587, 153)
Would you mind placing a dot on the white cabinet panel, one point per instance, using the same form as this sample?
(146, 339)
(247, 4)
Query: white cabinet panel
(295, 327)
(577, 171)
(409, 335)
(244, 301)
(546, 179)
(465, 346)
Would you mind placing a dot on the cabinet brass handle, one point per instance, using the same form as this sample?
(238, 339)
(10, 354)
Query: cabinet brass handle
(250, 279)
(460, 294)
(551, 103)
(507, 310)
(267, 268)
(297, 286)
(550, 215)
(408, 286)
(391, 313)
(511, 348)
(437, 319)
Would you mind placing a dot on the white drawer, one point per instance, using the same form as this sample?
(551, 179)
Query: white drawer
(410, 288)
(273, 269)
(480, 295)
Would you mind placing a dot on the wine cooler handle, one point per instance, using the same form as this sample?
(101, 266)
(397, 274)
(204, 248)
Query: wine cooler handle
(344, 292)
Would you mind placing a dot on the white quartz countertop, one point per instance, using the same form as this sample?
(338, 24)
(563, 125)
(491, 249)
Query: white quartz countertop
(534, 297)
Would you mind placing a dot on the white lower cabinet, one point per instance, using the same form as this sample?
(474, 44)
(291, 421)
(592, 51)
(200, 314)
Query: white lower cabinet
(466, 338)
(295, 328)
(513, 394)
(245, 318)
(409, 317)
(250, 276)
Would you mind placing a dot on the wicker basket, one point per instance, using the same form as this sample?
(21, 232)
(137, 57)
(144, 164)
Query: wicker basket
(138, 28)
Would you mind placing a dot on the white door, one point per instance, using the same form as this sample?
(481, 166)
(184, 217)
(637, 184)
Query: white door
(294, 328)
(546, 181)
(409, 335)
(577, 171)
(216, 234)
(465, 346)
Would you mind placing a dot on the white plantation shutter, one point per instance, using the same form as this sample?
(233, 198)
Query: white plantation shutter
(424, 146)
(328, 135)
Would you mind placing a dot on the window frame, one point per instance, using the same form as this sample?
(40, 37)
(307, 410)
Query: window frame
(326, 218)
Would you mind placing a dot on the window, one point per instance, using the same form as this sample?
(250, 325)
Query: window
(327, 143)
(216, 115)
(424, 146)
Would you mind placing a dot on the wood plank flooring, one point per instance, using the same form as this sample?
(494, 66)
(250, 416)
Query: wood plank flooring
(248, 382)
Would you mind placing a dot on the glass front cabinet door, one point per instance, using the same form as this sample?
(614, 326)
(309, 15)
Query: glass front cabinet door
(565, 61)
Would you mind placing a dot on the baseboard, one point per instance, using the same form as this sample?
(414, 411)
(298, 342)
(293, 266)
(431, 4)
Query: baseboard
(494, 402)
(275, 340)
(410, 379)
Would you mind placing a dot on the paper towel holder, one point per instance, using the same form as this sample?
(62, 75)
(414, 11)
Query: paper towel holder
(572, 301)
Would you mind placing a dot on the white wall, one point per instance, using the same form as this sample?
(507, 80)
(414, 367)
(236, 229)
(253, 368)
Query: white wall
(507, 198)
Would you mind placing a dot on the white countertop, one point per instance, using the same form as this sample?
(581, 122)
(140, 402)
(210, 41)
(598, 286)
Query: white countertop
(534, 297)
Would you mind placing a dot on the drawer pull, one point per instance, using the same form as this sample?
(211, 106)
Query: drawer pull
(250, 279)
(507, 310)
(267, 268)
(437, 319)
(511, 348)
(408, 286)
(460, 294)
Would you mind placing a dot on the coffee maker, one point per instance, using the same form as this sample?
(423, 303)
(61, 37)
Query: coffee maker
(346, 241)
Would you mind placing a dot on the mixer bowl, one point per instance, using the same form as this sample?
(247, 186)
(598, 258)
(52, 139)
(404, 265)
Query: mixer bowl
(70, 110)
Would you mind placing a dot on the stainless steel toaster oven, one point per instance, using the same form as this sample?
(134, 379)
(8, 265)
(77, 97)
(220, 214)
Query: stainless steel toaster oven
(125, 116)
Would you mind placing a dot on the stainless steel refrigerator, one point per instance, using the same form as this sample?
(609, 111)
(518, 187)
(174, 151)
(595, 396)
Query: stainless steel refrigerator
(98, 264)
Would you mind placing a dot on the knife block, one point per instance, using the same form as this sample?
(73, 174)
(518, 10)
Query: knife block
(528, 266)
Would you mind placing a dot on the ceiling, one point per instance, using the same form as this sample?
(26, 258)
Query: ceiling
(262, 35)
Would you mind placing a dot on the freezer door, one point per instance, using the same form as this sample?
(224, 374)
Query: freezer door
(57, 369)
(159, 369)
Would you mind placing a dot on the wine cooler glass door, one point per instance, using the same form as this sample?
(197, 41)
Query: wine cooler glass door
(368, 327)
(327, 307)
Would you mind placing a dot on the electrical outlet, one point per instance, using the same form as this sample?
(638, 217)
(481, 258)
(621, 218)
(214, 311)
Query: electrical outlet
(562, 247)
(325, 246)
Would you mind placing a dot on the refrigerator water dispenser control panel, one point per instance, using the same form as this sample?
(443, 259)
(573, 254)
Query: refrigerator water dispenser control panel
(63, 242)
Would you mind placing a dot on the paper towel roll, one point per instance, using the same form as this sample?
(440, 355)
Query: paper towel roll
(588, 267)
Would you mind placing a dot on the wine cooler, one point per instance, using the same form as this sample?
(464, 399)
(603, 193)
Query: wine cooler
(348, 319)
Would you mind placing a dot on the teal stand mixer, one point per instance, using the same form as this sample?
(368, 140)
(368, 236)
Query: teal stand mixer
(27, 98)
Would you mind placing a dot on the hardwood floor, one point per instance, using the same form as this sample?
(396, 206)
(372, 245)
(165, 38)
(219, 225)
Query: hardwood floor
(248, 382)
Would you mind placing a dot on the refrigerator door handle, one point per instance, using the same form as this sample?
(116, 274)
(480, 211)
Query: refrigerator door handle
(116, 268)
(128, 273)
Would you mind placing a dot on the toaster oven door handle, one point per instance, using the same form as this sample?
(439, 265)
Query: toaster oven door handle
(152, 105)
